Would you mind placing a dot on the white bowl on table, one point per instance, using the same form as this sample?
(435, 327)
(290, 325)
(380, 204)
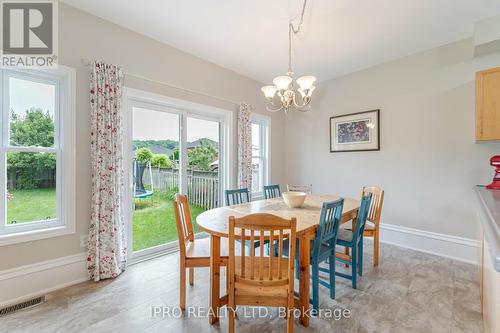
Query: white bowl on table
(294, 199)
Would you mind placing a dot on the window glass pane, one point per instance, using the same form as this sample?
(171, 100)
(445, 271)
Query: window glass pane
(31, 113)
(256, 151)
(257, 177)
(155, 174)
(203, 163)
(31, 187)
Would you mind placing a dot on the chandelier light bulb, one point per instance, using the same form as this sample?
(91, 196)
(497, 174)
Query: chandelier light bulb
(282, 82)
(269, 91)
(306, 82)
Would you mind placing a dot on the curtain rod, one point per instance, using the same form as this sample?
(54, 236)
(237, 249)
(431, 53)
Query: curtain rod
(87, 63)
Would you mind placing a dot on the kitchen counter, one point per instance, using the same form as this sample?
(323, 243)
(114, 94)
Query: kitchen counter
(489, 211)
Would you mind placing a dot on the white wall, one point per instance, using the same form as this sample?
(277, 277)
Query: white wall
(82, 35)
(428, 162)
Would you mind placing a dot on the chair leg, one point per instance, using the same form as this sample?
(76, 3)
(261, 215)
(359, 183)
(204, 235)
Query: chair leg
(289, 315)
(375, 248)
(354, 266)
(332, 276)
(346, 252)
(315, 285)
(231, 307)
(191, 276)
(360, 255)
(182, 289)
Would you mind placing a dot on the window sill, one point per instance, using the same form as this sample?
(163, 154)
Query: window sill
(27, 236)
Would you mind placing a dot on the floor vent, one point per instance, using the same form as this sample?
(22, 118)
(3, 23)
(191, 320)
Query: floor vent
(27, 304)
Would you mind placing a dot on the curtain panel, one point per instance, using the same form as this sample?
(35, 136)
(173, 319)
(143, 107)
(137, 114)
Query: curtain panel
(107, 247)
(245, 146)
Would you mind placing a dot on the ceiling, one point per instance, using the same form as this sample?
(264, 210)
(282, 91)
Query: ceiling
(338, 36)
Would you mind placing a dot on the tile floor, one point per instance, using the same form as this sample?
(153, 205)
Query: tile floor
(409, 292)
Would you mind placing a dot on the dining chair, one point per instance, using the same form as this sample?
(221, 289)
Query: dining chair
(261, 280)
(193, 252)
(237, 196)
(322, 248)
(372, 227)
(353, 239)
(299, 188)
(272, 191)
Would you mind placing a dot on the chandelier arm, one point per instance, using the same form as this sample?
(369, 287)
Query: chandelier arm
(270, 109)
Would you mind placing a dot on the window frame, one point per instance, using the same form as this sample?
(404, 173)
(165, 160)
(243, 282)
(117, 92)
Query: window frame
(63, 78)
(265, 142)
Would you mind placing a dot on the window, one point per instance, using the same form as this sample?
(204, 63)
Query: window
(260, 150)
(36, 154)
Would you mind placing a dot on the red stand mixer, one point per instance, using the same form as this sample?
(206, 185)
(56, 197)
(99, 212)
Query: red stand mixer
(495, 184)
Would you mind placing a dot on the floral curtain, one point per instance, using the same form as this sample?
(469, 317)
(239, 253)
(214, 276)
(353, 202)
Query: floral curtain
(245, 146)
(107, 246)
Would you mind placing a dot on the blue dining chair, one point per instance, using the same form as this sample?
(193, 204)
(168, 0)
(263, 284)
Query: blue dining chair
(322, 248)
(272, 191)
(354, 240)
(237, 196)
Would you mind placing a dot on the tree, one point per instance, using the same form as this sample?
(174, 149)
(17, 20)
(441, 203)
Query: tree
(161, 160)
(201, 157)
(144, 155)
(35, 128)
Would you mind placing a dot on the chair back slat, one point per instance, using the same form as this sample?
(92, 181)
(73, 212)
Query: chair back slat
(328, 227)
(237, 196)
(183, 221)
(376, 204)
(272, 191)
(364, 209)
(299, 188)
(265, 269)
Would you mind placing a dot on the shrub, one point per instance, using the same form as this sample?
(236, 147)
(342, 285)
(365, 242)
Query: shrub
(170, 194)
(144, 155)
(161, 160)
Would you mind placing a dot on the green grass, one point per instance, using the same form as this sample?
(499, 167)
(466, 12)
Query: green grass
(31, 205)
(154, 221)
(153, 218)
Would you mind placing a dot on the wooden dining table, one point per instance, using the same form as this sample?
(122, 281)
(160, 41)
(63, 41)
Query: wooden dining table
(216, 223)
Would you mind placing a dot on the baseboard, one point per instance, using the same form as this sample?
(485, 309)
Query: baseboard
(453, 247)
(25, 282)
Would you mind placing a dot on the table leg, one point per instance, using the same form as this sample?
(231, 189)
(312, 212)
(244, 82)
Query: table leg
(305, 271)
(214, 279)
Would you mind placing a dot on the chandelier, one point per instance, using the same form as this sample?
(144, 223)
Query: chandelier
(283, 86)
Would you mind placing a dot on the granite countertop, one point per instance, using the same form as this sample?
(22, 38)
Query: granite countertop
(489, 202)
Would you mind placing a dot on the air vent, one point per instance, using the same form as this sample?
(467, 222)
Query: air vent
(24, 305)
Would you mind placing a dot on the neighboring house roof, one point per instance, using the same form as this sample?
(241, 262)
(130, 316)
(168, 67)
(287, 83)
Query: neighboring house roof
(155, 149)
(202, 142)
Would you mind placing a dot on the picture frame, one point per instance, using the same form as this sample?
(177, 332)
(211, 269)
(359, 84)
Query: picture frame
(358, 131)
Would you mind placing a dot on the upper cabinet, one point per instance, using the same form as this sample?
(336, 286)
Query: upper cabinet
(488, 105)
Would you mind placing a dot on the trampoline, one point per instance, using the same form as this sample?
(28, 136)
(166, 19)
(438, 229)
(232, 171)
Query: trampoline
(140, 191)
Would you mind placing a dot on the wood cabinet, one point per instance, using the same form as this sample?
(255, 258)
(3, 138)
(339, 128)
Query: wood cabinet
(488, 105)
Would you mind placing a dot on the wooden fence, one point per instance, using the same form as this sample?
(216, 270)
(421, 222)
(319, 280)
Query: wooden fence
(203, 187)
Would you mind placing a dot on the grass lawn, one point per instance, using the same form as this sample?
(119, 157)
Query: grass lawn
(154, 221)
(153, 218)
(31, 205)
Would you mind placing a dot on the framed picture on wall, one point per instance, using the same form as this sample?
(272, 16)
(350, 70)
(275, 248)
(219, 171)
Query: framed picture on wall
(355, 132)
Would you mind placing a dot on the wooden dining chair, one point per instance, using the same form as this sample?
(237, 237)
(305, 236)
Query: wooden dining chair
(299, 188)
(322, 249)
(261, 280)
(354, 240)
(237, 196)
(272, 191)
(372, 228)
(193, 252)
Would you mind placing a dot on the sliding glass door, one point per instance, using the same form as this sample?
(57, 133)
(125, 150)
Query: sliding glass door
(171, 150)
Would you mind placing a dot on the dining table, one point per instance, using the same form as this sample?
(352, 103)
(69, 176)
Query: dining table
(215, 222)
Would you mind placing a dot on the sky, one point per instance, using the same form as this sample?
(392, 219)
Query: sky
(157, 125)
(27, 94)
